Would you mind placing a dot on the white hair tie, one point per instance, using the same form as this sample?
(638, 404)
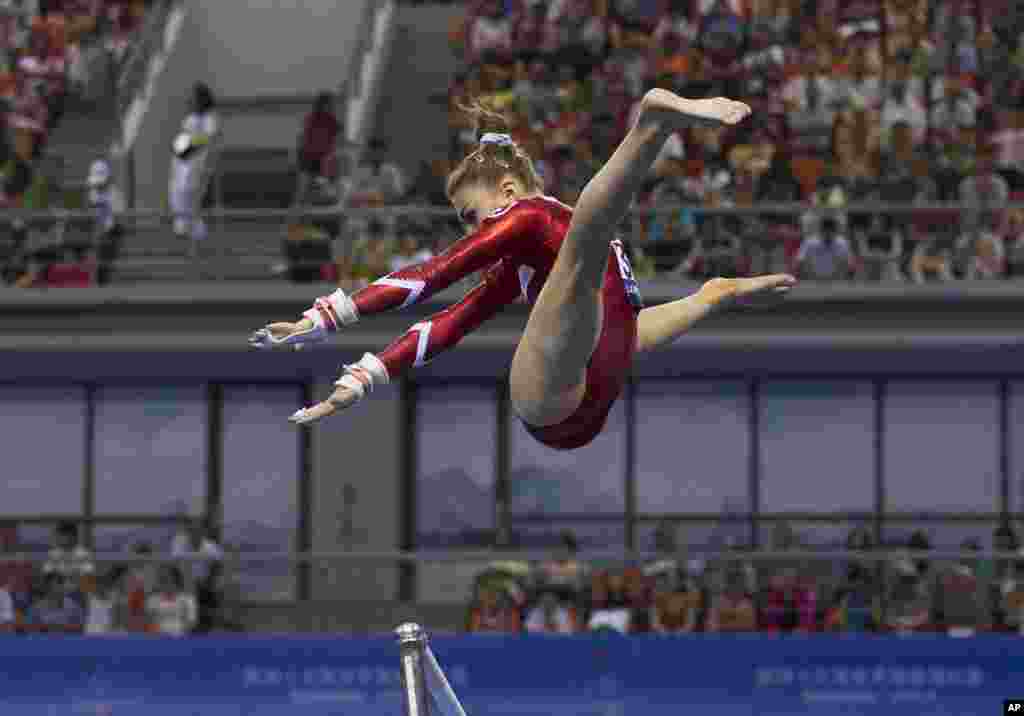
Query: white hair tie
(503, 140)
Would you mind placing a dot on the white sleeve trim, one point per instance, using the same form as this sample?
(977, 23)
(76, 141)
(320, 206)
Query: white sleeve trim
(413, 286)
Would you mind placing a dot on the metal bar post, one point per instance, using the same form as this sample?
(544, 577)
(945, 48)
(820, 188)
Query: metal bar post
(412, 642)
(438, 674)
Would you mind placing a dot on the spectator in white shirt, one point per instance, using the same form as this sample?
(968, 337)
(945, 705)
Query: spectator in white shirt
(904, 102)
(7, 613)
(102, 605)
(107, 204)
(194, 153)
(825, 255)
(171, 609)
(987, 190)
(194, 545)
(812, 99)
(377, 181)
(68, 559)
(550, 616)
(490, 34)
(408, 252)
(863, 87)
(954, 104)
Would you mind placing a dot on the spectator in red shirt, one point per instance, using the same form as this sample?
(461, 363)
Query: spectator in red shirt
(319, 140)
(123, 23)
(44, 66)
(491, 35)
(533, 36)
(15, 577)
(29, 118)
(491, 613)
(74, 268)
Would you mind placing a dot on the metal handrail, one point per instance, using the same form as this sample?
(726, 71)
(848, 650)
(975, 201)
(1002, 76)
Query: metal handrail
(791, 208)
(492, 557)
(133, 68)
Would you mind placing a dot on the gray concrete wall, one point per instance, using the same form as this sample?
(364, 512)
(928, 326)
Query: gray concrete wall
(421, 69)
(276, 47)
(357, 469)
(273, 129)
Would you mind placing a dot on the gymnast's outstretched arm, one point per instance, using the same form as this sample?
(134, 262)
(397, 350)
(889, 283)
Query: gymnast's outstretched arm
(509, 234)
(420, 344)
(660, 325)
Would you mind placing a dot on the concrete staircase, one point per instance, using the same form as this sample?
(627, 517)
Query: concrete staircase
(239, 251)
(412, 111)
(84, 134)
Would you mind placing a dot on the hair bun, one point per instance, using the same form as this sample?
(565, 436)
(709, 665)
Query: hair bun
(485, 119)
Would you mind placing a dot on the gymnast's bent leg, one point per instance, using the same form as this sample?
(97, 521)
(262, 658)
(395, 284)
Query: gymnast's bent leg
(548, 374)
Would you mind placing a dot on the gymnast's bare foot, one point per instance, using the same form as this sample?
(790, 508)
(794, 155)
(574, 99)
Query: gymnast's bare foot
(662, 105)
(727, 291)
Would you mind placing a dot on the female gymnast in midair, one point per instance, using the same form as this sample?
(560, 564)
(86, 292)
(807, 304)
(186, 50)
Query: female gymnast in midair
(587, 320)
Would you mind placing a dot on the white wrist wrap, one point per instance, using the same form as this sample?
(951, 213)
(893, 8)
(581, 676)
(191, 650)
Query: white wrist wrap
(329, 313)
(360, 377)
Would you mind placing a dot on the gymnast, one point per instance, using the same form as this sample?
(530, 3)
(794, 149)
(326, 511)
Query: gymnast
(587, 318)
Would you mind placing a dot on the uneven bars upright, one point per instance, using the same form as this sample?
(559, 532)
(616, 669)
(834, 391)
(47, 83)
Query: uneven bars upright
(412, 641)
(435, 670)
(417, 661)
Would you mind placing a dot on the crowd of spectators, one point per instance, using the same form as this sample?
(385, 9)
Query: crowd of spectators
(53, 52)
(71, 594)
(912, 593)
(910, 101)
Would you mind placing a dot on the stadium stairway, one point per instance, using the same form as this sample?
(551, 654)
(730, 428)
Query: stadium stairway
(83, 134)
(415, 84)
(239, 251)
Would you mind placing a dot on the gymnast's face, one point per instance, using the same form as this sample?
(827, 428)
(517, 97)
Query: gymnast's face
(475, 202)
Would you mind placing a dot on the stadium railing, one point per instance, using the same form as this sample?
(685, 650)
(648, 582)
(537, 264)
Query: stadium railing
(249, 243)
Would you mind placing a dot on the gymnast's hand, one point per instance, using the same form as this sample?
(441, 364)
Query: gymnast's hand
(342, 397)
(286, 334)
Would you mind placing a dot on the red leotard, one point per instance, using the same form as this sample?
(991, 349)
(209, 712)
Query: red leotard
(516, 248)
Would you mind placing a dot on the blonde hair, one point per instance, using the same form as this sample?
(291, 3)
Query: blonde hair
(491, 162)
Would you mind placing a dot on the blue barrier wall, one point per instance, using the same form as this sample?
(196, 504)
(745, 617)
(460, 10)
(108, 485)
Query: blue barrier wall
(516, 676)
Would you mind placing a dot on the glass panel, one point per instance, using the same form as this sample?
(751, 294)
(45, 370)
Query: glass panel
(151, 449)
(456, 460)
(36, 539)
(696, 539)
(34, 420)
(261, 484)
(124, 539)
(693, 446)
(593, 536)
(942, 446)
(780, 535)
(588, 480)
(1016, 447)
(817, 446)
(941, 535)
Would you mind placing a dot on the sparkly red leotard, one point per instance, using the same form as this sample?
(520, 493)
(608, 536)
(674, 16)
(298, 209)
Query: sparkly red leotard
(516, 248)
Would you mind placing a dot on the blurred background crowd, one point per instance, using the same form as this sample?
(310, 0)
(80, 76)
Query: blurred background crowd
(913, 593)
(855, 102)
(70, 593)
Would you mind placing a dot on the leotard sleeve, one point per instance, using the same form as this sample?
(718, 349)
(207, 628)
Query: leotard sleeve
(508, 234)
(424, 340)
